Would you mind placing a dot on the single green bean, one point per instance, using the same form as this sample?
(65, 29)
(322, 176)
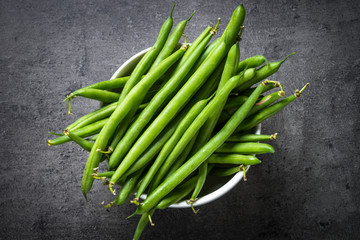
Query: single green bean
(251, 138)
(235, 102)
(149, 57)
(194, 45)
(225, 171)
(86, 131)
(268, 87)
(233, 159)
(173, 167)
(96, 94)
(104, 174)
(129, 187)
(246, 148)
(251, 62)
(266, 101)
(94, 116)
(109, 84)
(82, 142)
(142, 224)
(93, 138)
(171, 42)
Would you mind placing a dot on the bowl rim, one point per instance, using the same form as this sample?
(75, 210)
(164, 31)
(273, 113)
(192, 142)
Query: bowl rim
(210, 197)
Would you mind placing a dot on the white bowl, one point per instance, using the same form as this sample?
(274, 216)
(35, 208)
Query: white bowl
(215, 187)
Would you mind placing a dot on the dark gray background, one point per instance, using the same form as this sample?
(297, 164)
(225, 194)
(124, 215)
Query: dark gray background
(307, 190)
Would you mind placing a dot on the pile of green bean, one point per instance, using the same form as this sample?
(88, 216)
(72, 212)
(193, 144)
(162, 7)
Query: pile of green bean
(184, 113)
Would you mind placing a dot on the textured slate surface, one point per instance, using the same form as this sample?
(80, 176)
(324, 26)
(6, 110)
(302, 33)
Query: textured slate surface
(307, 189)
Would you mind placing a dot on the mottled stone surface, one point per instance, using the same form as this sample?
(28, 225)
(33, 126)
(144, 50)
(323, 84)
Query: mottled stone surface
(307, 190)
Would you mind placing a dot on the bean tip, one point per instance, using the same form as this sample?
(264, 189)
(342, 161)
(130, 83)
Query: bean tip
(50, 142)
(273, 136)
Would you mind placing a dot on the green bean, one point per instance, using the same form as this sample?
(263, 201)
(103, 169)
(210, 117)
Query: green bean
(204, 92)
(142, 224)
(155, 146)
(209, 125)
(165, 151)
(263, 73)
(171, 42)
(82, 142)
(86, 131)
(248, 75)
(214, 104)
(94, 137)
(104, 174)
(255, 119)
(96, 94)
(211, 83)
(262, 103)
(206, 52)
(234, 159)
(109, 84)
(268, 87)
(167, 171)
(149, 57)
(194, 45)
(266, 101)
(235, 102)
(251, 138)
(178, 193)
(147, 114)
(246, 148)
(167, 201)
(120, 131)
(251, 62)
(94, 116)
(225, 171)
(132, 100)
(129, 187)
(234, 26)
(176, 103)
(203, 154)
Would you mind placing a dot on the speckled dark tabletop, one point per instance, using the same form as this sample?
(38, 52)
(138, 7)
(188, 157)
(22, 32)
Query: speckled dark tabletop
(307, 190)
